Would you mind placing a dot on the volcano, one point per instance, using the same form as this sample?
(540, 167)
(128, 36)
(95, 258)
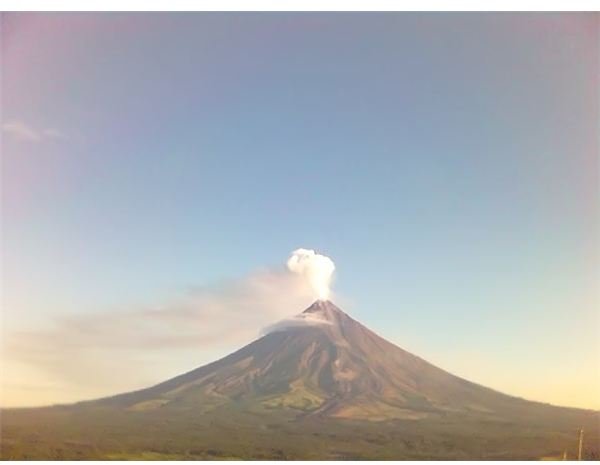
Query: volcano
(324, 363)
(320, 385)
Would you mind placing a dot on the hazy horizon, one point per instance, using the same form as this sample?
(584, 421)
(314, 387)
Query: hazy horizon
(159, 169)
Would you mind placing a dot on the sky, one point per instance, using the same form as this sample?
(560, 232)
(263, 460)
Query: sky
(159, 169)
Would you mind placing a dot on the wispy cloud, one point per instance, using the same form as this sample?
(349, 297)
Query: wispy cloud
(26, 132)
(21, 131)
(51, 133)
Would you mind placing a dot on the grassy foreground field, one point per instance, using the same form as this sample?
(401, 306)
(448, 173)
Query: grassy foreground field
(234, 433)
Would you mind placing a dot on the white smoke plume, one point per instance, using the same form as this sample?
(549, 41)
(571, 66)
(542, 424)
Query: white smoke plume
(315, 268)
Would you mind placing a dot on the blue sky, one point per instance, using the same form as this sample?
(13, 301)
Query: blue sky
(448, 163)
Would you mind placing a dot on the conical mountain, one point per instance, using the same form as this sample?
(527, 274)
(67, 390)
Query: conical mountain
(323, 363)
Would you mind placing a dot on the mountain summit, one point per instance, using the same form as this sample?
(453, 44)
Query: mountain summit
(325, 308)
(322, 363)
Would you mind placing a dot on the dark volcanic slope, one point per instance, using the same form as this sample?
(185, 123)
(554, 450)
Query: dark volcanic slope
(330, 366)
